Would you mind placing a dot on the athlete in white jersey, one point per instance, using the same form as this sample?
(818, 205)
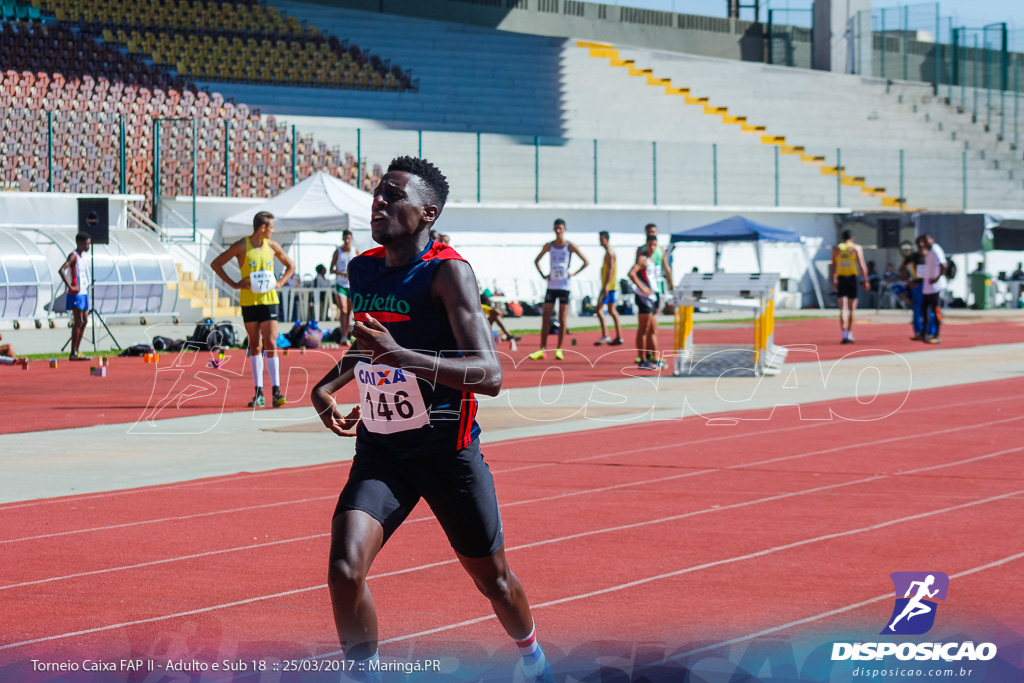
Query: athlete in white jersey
(558, 278)
(339, 266)
(75, 274)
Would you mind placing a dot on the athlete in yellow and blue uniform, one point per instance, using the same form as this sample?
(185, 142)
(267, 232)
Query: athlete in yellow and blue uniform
(846, 258)
(259, 299)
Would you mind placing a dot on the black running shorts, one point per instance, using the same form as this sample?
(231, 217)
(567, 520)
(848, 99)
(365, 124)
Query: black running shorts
(846, 286)
(457, 486)
(648, 305)
(259, 313)
(554, 295)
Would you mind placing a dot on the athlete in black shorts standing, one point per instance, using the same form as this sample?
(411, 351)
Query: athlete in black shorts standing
(258, 299)
(423, 348)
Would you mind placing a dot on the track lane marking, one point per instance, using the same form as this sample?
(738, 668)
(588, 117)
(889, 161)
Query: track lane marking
(549, 603)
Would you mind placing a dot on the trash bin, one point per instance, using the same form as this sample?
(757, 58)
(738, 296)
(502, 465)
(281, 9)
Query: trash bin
(981, 288)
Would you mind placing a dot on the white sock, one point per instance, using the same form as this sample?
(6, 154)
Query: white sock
(274, 366)
(533, 655)
(257, 369)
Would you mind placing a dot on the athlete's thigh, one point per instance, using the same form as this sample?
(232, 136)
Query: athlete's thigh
(252, 330)
(268, 330)
(378, 487)
(459, 488)
(356, 538)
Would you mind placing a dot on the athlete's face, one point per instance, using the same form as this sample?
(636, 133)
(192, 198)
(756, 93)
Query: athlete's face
(84, 245)
(267, 230)
(604, 241)
(400, 207)
(559, 230)
(346, 241)
(651, 230)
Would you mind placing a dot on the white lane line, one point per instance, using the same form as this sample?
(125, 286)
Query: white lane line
(709, 565)
(830, 613)
(170, 519)
(309, 468)
(843, 447)
(526, 502)
(143, 490)
(537, 543)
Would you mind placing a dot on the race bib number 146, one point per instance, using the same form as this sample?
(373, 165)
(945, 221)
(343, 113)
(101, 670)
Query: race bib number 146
(390, 398)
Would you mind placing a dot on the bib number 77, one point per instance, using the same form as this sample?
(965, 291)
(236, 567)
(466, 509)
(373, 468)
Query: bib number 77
(391, 399)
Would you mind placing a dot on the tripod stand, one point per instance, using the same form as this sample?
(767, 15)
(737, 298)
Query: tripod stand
(93, 313)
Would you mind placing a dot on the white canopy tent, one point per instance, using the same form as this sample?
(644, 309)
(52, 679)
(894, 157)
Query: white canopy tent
(320, 203)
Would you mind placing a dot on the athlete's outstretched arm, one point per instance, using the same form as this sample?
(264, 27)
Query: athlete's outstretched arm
(478, 370)
(322, 396)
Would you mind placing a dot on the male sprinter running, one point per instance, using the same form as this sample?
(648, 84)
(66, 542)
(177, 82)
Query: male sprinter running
(75, 274)
(422, 348)
(846, 258)
(258, 299)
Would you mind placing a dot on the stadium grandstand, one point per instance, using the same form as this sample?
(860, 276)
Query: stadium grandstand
(549, 104)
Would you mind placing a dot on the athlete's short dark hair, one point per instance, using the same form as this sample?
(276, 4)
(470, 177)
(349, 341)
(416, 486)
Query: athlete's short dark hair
(846, 235)
(346, 233)
(261, 219)
(649, 226)
(604, 235)
(559, 221)
(82, 238)
(437, 184)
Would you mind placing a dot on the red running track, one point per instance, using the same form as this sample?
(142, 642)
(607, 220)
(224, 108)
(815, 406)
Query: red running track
(181, 385)
(672, 533)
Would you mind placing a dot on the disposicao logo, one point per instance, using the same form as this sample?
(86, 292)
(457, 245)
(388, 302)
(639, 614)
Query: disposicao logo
(914, 612)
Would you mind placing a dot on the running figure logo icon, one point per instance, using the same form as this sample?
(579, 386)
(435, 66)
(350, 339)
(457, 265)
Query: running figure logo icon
(914, 612)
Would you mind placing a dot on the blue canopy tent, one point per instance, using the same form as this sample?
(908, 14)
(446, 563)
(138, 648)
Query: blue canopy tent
(740, 229)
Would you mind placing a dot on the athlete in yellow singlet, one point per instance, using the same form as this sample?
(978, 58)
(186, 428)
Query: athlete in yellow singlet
(846, 258)
(259, 299)
(609, 288)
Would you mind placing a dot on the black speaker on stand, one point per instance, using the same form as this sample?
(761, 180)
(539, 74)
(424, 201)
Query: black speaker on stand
(94, 220)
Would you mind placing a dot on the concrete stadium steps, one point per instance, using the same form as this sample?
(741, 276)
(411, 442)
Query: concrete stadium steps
(197, 294)
(511, 87)
(821, 112)
(690, 98)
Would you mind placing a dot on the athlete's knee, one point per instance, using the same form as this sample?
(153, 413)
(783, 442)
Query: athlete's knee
(345, 577)
(496, 588)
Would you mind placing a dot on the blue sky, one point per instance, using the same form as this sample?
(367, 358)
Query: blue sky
(973, 13)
